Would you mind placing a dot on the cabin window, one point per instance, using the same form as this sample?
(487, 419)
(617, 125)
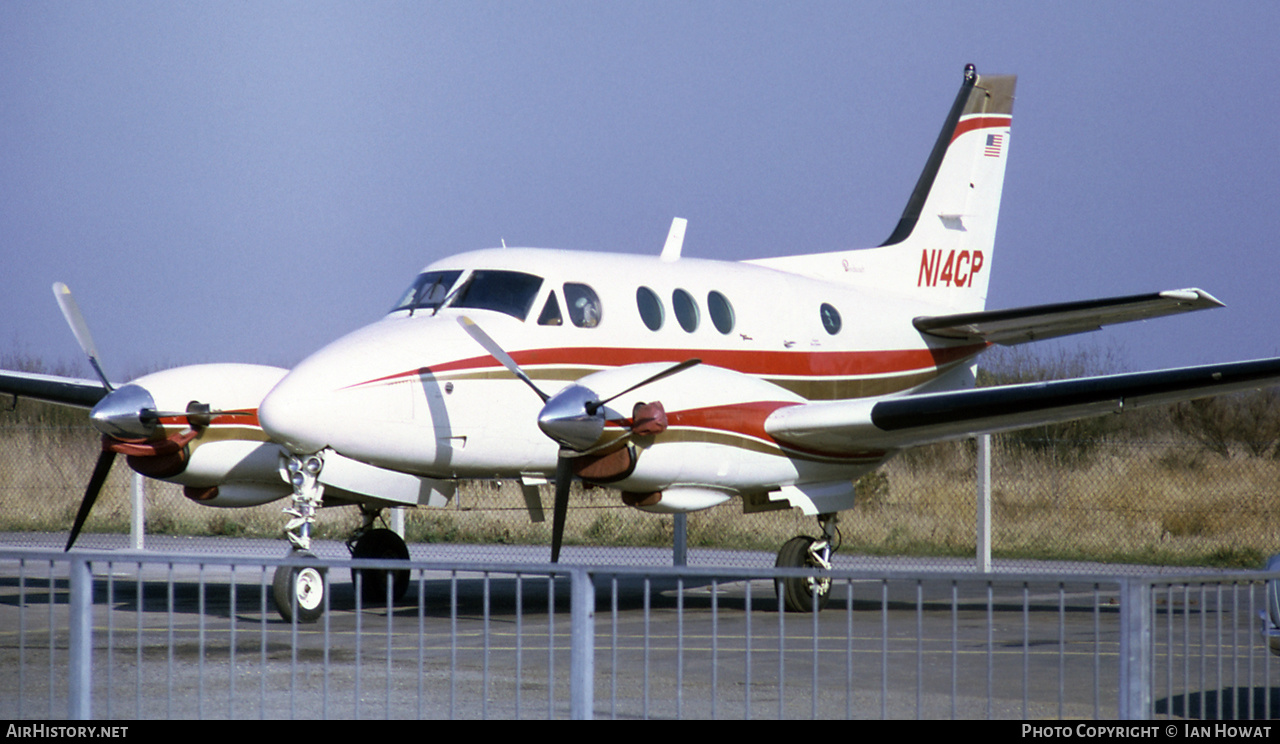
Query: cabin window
(428, 291)
(830, 318)
(721, 312)
(686, 310)
(550, 314)
(510, 292)
(650, 307)
(583, 304)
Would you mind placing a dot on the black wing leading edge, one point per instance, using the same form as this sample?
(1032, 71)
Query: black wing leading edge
(67, 391)
(858, 425)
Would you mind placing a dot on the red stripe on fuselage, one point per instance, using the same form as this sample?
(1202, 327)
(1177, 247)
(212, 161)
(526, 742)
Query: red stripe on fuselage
(758, 363)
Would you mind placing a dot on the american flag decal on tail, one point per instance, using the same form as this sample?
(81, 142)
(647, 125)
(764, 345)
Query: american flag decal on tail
(994, 143)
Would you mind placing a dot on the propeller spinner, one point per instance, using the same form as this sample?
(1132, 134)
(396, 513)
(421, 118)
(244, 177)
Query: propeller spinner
(574, 418)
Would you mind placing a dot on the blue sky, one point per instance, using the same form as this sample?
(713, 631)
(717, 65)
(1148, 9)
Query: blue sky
(230, 181)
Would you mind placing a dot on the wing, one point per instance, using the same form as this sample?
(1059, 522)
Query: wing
(67, 391)
(1039, 322)
(860, 425)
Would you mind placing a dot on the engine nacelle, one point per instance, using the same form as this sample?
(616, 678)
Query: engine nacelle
(677, 499)
(235, 495)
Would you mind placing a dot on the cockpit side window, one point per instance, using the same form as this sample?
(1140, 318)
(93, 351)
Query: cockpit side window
(550, 315)
(428, 291)
(584, 305)
(510, 292)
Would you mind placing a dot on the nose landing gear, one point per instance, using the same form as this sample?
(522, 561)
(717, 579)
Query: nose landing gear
(298, 589)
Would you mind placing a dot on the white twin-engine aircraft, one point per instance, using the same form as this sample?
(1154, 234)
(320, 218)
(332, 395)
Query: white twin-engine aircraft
(683, 383)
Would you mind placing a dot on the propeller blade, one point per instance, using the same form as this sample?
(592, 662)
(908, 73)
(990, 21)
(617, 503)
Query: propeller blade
(99, 477)
(564, 478)
(497, 352)
(75, 319)
(682, 366)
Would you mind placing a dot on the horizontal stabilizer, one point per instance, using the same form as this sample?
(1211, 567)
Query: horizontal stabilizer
(67, 391)
(857, 425)
(1020, 325)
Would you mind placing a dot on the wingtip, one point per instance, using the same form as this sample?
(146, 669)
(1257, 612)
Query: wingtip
(1192, 294)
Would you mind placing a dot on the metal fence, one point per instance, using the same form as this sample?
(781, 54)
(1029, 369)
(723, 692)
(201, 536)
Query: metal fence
(106, 635)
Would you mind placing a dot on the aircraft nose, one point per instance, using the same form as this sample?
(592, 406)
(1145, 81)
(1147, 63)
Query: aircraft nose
(292, 413)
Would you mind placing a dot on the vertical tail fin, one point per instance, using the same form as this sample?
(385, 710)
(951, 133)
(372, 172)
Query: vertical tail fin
(941, 250)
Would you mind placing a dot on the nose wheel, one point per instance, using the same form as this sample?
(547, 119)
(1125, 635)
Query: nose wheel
(299, 590)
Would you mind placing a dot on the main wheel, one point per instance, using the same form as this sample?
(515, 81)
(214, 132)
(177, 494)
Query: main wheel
(381, 544)
(299, 591)
(801, 594)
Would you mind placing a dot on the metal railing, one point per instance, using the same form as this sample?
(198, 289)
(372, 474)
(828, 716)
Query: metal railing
(102, 635)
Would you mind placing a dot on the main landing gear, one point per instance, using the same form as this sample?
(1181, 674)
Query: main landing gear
(378, 543)
(810, 593)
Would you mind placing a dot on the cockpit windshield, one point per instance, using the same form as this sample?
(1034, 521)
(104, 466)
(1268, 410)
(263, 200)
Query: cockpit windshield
(428, 291)
(510, 292)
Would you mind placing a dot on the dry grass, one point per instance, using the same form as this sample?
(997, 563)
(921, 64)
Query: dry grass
(1134, 503)
(1164, 504)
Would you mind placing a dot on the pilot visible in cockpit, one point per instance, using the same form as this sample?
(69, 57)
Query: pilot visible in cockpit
(586, 313)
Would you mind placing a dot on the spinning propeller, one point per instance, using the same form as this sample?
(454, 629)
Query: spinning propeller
(574, 418)
(127, 416)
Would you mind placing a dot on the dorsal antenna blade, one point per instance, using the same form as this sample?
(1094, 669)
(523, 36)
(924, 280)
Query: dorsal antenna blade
(675, 240)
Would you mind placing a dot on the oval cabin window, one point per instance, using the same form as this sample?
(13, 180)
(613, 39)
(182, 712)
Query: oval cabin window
(721, 312)
(650, 308)
(686, 310)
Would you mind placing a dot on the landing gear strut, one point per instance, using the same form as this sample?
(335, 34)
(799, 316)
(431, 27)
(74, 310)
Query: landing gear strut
(808, 594)
(379, 543)
(298, 589)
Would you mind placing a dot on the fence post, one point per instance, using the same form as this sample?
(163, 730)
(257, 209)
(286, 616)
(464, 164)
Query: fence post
(138, 518)
(983, 466)
(680, 540)
(1135, 649)
(80, 641)
(582, 663)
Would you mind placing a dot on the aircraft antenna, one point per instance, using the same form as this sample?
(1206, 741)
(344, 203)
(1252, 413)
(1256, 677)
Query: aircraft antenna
(675, 240)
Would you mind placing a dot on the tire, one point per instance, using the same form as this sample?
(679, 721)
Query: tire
(797, 593)
(299, 591)
(381, 544)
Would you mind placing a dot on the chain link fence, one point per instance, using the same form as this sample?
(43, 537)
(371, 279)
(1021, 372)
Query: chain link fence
(1115, 501)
